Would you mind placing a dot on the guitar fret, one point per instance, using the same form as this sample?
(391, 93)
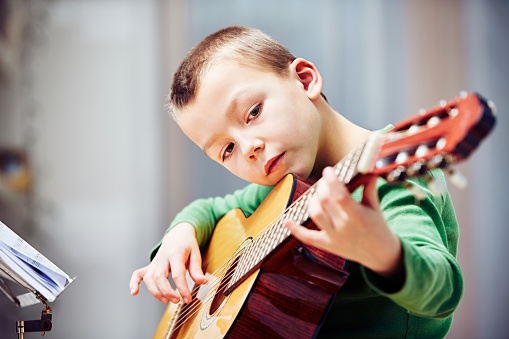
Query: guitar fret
(289, 215)
(256, 252)
(297, 209)
(265, 245)
(293, 212)
(355, 160)
(304, 213)
(337, 168)
(345, 167)
(273, 235)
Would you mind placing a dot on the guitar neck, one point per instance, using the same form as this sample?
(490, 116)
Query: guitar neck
(261, 246)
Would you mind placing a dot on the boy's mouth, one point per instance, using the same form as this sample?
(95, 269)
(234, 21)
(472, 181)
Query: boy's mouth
(273, 163)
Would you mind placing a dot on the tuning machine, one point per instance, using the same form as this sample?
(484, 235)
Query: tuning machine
(421, 168)
(456, 178)
(397, 174)
(454, 175)
(416, 191)
(401, 173)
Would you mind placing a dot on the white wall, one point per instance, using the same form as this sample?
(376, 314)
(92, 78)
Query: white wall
(98, 161)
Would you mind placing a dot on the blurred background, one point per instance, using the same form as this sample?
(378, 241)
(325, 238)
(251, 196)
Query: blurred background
(92, 168)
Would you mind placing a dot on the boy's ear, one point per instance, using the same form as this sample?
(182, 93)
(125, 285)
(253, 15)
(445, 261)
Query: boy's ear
(309, 76)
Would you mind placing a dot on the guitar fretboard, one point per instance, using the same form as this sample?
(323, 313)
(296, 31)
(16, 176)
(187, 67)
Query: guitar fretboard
(252, 256)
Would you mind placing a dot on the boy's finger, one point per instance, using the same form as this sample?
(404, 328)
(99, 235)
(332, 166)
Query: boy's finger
(337, 189)
(292, 227)
(178, 272)
(162, 284)
(153, 287)
(370, 195)
(195, 269)
(136, 279)
(307, 236)
(319, 214)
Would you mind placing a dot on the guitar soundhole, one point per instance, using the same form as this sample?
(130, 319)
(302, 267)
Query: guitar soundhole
(220, 295)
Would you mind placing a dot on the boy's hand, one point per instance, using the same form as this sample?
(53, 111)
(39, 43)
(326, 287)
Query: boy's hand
(179, 252)
(352, 230)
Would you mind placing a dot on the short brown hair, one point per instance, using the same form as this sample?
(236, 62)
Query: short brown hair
(246, 45)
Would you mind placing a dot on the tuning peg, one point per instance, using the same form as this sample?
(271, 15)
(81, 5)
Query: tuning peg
(397, 174)
(437, 161)
(421, 151)
(453, 112)
(401, 158)
(417, 168)
(492, 106)
(417, 192)
(457, 178)
(441, 143)
(436, 187)
(413, 129)
(433, 121)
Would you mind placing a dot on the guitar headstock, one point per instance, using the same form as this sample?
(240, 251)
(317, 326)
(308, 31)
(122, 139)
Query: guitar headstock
(436, 138)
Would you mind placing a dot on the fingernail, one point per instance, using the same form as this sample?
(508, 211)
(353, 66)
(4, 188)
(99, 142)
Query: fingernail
(164, 300)
(185, 301)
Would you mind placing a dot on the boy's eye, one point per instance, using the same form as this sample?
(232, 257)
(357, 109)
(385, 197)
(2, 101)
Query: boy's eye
(228, 151)
(254, 113)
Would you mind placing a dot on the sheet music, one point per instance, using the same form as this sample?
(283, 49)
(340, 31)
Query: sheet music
(24, 264)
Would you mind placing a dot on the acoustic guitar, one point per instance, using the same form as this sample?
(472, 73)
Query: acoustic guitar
(263, 283)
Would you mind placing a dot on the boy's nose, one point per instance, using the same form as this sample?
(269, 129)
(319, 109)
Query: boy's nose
(254, 153)
(254, 149)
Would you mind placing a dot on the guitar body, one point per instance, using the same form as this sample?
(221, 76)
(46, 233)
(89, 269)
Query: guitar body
(288, 296)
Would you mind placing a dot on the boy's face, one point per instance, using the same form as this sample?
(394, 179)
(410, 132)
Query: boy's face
(256, 124)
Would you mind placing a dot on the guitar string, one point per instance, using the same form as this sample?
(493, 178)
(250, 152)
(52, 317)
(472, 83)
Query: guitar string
(191, 310)
(196, 304)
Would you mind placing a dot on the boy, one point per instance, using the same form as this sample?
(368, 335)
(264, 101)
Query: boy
(250, 105)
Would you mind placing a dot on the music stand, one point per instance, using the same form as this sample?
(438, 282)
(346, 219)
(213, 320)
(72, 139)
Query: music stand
(44, 324)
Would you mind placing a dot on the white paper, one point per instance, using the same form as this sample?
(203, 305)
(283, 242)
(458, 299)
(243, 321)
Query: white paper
(27, 266)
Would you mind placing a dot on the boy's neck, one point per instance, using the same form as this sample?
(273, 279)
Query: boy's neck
(339, 137)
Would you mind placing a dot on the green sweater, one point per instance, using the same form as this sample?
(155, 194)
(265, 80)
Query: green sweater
(364, 307)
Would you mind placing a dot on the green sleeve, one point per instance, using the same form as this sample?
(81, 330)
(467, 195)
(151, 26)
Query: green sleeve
(429, 233)
(204, 214)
